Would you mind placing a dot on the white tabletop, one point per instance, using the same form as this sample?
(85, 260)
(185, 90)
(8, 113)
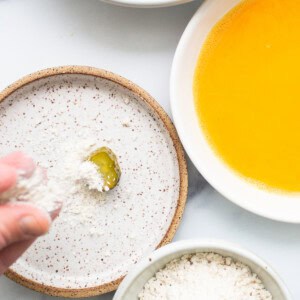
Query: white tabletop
(138, 44)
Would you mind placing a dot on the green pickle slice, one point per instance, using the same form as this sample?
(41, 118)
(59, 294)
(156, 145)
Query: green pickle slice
(107, 166)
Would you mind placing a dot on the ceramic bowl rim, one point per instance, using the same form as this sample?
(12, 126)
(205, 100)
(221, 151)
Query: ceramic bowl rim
(147, 3)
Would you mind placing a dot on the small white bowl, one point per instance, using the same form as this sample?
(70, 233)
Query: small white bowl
(283, 207)
(147, 3)
(135, 280)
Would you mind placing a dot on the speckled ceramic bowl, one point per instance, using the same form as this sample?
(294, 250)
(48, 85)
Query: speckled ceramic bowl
(96, 241)
(135, 280)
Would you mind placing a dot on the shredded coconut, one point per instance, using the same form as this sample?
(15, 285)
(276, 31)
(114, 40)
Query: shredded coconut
(208, 276)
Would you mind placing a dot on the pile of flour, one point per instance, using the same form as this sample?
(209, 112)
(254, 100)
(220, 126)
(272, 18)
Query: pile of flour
(75, 175)
(75, 172)
(208, 276)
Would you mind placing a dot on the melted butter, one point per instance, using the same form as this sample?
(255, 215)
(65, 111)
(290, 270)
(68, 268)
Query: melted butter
(247, 92)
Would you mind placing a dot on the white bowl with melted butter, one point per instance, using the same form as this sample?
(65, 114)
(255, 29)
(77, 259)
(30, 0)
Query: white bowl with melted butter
(264, 202)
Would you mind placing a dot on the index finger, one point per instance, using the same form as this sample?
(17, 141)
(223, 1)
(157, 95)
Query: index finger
(8, 177)
(20, 161)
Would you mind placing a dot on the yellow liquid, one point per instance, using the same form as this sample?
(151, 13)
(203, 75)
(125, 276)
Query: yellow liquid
(247, 91)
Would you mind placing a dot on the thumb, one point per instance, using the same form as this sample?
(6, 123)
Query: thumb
(21, 222)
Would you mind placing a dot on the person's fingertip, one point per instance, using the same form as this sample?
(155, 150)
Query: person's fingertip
(31, 226)
(34, 221)
(55, 212)
(21, 161)
(22, 222)
(30, 207)
(8, 177)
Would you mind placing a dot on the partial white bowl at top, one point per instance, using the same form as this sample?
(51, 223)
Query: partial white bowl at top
(147, 3)
(135, 280)
(282, 207)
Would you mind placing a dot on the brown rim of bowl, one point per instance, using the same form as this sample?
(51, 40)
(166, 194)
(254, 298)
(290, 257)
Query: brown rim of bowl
(143, 95)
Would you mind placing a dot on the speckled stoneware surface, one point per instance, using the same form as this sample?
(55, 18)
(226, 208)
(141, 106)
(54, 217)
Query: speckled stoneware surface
(82, 257)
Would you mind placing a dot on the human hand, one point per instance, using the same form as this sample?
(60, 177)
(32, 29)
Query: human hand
(20, 224)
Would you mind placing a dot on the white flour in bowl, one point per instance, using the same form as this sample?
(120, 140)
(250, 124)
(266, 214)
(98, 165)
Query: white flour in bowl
(208, 276)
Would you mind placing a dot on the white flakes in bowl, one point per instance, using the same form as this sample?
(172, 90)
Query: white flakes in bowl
(208, 276)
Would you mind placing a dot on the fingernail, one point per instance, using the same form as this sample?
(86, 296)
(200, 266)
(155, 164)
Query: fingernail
(55, 212)
(26, 166)
(30, 226)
